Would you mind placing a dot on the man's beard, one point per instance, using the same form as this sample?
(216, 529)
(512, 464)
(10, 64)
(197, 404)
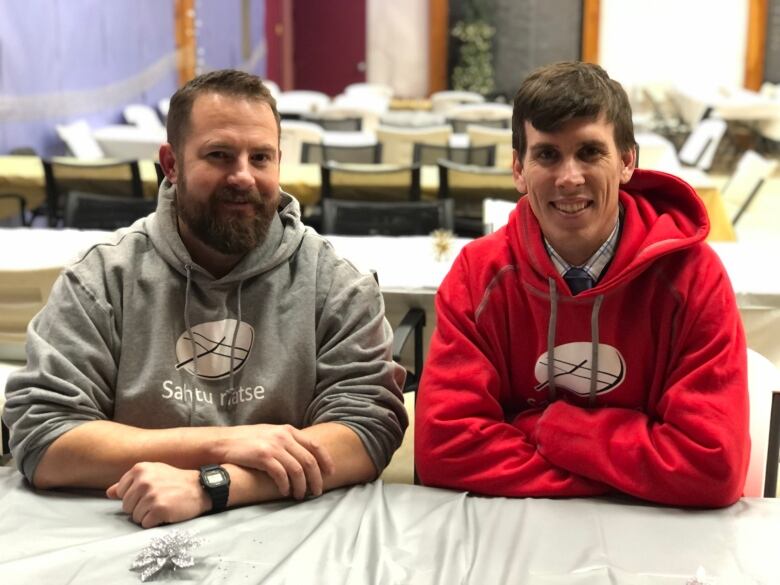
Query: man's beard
(226, 232)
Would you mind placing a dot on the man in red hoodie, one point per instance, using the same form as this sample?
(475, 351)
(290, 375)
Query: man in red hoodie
(593, 344)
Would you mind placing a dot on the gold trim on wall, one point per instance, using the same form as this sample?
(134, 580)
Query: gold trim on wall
(755, 53)
(184, 23)
(591, 13)
(438, 30)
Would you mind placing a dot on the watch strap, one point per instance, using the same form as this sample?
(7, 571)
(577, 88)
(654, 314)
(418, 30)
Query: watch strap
(218, 494)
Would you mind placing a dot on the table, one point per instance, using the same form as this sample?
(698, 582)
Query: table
(733, 105)
(125, 141)
(303, 181)
(381, 533)
(409, 273)
(24, 175)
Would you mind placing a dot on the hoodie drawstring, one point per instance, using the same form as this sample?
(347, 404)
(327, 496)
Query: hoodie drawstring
(594, 351)
(235, 336)
(188, 268)
(551, 389)
(187, 324)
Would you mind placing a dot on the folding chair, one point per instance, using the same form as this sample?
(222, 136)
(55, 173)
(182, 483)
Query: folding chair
(429, 154)
(386, 218)
(746, 181)
(110, 177)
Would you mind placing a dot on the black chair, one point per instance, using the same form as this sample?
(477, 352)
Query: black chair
(336, 124)
(412, 323)
(390, 218)
(370, 182)
(105, 212)
(459, 125)
(429, 154)
(160, 173)
(6, 437)
(319, 153)
(121, 178)
(468, 186)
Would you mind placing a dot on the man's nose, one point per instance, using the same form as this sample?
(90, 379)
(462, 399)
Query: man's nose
(570, 174)
(241, 176)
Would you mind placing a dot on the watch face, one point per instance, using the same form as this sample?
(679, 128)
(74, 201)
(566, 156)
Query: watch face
(214, 478)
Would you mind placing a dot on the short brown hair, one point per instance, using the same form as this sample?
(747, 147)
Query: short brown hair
(554, 94)
(229, 82)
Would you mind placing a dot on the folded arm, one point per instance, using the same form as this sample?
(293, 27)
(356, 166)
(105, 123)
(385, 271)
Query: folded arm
(154, 472)
(692, 447)
(462, 439)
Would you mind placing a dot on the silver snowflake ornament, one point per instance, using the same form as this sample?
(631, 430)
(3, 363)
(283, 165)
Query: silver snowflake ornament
(171, 551)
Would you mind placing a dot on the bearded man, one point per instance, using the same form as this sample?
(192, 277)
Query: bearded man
(215, 353)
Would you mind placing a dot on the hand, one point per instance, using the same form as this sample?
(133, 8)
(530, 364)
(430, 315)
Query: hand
(157, 493)
(294, 462)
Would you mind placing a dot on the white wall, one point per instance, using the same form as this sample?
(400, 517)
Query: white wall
(667, 42)
(397, 45)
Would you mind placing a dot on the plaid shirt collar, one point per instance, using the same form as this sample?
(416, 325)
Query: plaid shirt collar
(596, 264)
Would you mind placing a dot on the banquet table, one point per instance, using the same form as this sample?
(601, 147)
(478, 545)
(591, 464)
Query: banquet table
(410, 271)
(24, 175)
(385, 534)
(125, 141)
(732, 105)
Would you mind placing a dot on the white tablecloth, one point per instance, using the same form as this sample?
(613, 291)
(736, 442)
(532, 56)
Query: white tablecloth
(388, 534)
(410, 272)
(732, 104)
(124, 141)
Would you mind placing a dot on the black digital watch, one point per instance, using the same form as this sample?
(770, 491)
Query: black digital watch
(216, 481)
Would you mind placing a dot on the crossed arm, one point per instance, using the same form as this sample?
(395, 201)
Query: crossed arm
(154, 472)
(688, 449)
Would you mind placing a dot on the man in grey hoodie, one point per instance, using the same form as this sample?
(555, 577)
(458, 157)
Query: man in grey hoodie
(215, 353)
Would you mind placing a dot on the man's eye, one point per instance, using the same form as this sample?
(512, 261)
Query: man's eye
(261, 157)
(590, 153)
(547, 155)
(218, 155)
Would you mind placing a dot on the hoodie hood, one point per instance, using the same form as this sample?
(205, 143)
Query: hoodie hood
(284, 237)
(661, 214)
(664, 214)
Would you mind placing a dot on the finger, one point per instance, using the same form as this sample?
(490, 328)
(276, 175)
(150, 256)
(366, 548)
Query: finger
(124, 483)
(143, 507)
(150, 519)
(278, 474)
(131, 498)
(111, 491)
(295, 473)
(324, 460)
(309, 466)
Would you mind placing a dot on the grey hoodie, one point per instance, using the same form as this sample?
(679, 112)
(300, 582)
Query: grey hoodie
(116, 339)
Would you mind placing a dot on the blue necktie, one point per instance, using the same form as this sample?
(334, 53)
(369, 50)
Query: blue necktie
(578, 280)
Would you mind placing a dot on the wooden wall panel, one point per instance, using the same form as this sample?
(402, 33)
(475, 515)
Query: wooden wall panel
(591, 13)
(185, 39)
(439, 30)
(756, 43)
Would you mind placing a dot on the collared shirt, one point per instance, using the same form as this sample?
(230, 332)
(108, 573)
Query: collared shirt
(596, 264)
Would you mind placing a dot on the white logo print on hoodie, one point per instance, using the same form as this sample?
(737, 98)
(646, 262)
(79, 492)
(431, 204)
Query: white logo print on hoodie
(212, 343)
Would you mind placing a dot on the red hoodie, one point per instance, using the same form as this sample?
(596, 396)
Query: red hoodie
(515, 401)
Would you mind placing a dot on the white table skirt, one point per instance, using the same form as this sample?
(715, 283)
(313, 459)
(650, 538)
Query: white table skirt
(380, 533)
(409, 272)
(124, 141)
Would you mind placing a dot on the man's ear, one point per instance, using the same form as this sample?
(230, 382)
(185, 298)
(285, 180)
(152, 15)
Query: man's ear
(517, 173)
(168, 162)
(629, 164)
